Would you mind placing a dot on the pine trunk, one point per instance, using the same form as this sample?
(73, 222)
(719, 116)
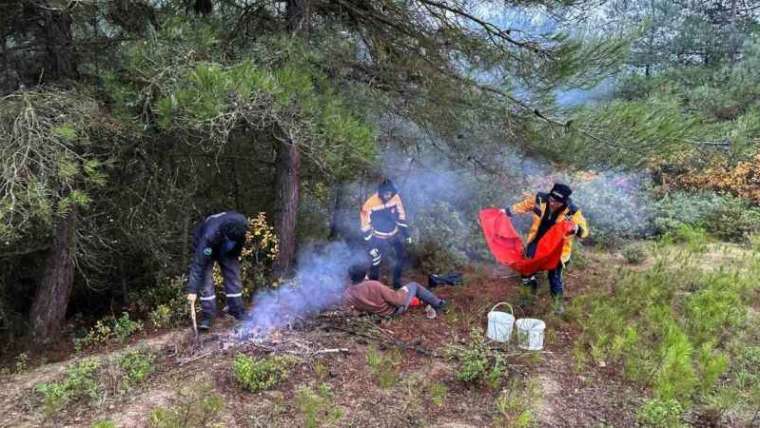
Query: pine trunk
(288, 163)
(48, 311)
(287, 180)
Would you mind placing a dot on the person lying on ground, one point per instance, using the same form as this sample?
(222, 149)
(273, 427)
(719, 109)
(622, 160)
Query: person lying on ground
(218, 238)
(547, 209)
(374, 297)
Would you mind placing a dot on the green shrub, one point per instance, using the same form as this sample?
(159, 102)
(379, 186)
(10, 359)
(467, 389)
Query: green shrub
(124, 327)
(735, 220)
(514, 404)
(164, 303)
(109, 329)
(317, 407)
(104, 424)
(137, 365)
(634, 254)
(198, 407)
(161, 316)
(99, 334)
(80, 383)
(695, 238)
(754, 242)
(477, 363)
(258, 374)
(724, 216)
(679, 208)
(384, 367)
(22, 362)
(438, 392)
(661, 413)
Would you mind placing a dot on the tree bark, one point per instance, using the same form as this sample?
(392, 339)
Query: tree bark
(299, 17)
(44, 45)
(287, 180)
(52, 297)
(344, 218)
(288, 163)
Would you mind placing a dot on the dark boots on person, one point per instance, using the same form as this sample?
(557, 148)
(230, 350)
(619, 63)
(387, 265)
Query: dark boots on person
(528, 291)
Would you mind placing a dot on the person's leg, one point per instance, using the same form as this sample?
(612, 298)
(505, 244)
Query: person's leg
(376, 257)
(556, 284)
(425, 295)
(208, 300)
(400, 249)
(530, 281)
(232, 286)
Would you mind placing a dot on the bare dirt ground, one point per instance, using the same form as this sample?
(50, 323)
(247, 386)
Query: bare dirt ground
(333, 351)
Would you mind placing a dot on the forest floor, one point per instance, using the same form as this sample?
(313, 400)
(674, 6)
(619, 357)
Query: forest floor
(332, 384)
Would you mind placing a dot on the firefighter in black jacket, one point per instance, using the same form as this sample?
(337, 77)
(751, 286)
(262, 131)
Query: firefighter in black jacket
(383, 225)
(219, 238)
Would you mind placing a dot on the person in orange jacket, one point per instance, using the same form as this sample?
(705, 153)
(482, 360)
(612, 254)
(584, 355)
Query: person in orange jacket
(547, 209)
(383, 226)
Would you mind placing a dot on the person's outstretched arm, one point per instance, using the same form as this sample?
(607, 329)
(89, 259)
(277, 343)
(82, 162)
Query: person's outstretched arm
(523, 207)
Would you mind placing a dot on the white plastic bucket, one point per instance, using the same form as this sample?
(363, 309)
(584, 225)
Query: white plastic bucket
(530, 334)
(500, 323)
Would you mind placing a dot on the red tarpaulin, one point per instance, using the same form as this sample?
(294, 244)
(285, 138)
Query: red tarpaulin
(507, 246)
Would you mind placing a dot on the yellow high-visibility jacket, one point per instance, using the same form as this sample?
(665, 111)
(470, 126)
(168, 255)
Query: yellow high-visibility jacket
(537, 205)
(383, 220)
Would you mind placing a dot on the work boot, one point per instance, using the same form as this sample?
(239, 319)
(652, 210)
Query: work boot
(235, 309)
(528, 293)
(442, 306)
(559, 305)
(205, 323)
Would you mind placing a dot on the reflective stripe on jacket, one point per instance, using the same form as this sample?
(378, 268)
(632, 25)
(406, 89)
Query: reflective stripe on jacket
(537, 205)
(383, 220)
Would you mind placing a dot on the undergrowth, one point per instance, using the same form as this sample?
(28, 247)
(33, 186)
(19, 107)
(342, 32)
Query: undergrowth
(317, 406)
(384, 366)
(514, 404)
(477, 363)
(197, 406)
(680, 327)
(108, 330)
(258, 374)
(79, 384)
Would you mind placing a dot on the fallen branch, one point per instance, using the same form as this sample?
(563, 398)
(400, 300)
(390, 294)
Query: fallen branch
(332, 351)
(388, 341)
(189, 360)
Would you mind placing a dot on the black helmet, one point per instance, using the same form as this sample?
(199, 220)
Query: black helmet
(386, 186)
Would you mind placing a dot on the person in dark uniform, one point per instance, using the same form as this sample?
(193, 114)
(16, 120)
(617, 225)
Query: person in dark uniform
(383, 225)
(219, 238)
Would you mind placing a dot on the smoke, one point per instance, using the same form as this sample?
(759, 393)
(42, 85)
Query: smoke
(442, 198)
(615, 204)
(318, 285)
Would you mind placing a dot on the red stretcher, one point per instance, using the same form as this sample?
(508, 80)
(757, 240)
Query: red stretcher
(507, 246)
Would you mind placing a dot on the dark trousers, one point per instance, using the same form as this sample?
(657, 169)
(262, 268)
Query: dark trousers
(414, 289)
(230, 267)
(556, 280)
(378, 249)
